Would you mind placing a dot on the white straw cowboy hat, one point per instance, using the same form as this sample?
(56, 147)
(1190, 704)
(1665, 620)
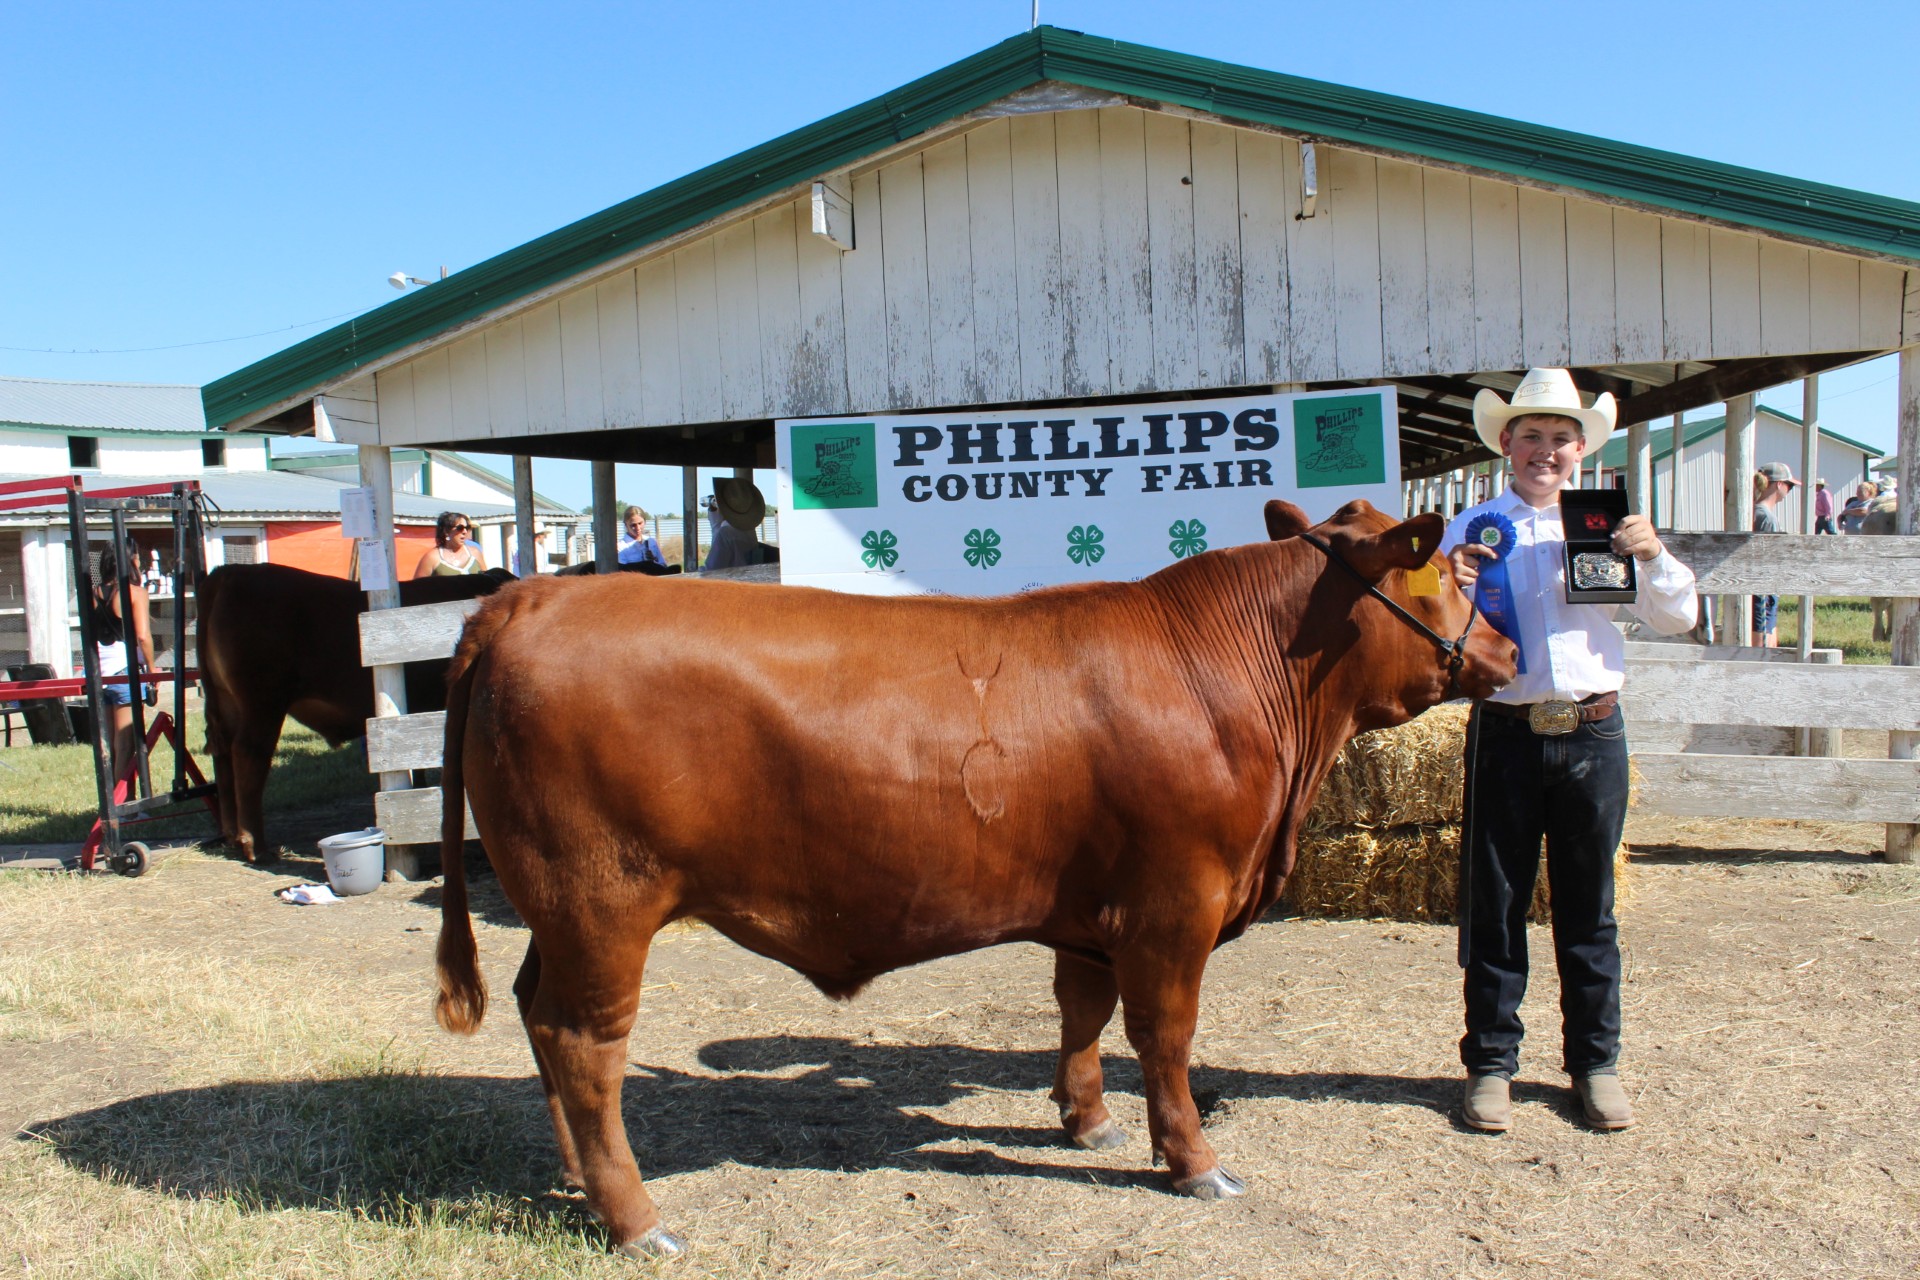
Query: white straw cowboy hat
(740, 503)
(1543, 391)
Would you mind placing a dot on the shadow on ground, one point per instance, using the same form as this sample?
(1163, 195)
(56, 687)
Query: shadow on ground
(388, 1143)
(1677, 855)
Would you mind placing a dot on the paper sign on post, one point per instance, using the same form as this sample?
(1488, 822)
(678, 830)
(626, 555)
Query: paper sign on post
(356, 514)
(375, 573)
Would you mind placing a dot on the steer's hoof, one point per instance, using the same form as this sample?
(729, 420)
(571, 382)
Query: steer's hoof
(1104, 1136)
(1215, 1184)
(657, 1245)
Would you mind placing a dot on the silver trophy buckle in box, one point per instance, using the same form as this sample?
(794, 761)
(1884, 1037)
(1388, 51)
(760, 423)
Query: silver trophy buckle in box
(1595, 574)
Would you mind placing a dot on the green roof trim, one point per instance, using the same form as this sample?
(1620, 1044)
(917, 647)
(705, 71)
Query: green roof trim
(335, 458)
(1613, 454)
(1745, 197)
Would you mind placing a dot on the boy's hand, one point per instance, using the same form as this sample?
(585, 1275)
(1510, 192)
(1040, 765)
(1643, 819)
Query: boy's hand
(1634, 536)
(1465, 560)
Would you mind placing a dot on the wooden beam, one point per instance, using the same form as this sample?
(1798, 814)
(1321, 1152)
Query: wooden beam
(1793, 563)
(1768, 787)
(1905, 835)
(1730, 378)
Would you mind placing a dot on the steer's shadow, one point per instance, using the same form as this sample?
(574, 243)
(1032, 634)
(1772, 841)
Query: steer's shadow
(387, 1143)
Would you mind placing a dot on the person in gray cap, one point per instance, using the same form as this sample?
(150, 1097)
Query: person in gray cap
(1772, 482)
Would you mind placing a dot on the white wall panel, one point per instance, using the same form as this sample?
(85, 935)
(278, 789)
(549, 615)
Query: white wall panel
(777, 279)
(1639, 326)
(991, 247)
(1084, 312)
(949, 273)
(864, 300)
(1176, 353)
(1447, 214)
(507, 379)
(623, 402)
(580, 360)
(903, 227)
(1497, 340)
(1036, 254)
(546, 380)
(1686, 298)
(1356, 263)
(1734, 270)
(467, 371)
(696, 292)
(1592, 310)
(736, 292)
(1403, 267)
(1264, 219)
(1124, 248)
(1543, 279)
(1219, 339)
(1310, 283)
(657, 321)
(1783, 298)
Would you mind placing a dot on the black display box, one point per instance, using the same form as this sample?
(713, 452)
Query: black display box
(1595, 575)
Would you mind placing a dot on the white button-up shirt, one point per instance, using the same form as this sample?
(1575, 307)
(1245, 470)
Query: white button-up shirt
(1573, 651)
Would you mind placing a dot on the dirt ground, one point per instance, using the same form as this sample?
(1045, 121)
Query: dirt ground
(1772, 1041)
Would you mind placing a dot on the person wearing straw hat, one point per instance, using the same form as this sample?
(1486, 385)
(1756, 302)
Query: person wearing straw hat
(1547, 755)
(741, 509)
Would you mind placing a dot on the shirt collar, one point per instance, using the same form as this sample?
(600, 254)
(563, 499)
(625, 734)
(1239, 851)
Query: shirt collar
(1512, 504)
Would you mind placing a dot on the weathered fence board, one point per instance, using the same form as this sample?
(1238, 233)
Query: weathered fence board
(1656, 651)
(406, 742)
(1764, 787)
(1712, 739)
(1799, 564)
(1811, 696)
(412, 816)
(418, 633)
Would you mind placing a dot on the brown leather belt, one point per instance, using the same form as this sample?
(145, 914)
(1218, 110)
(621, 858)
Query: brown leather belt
(1557, 717)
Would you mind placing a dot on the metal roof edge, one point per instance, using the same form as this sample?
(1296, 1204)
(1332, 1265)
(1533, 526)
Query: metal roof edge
(1846, 219)
(1699, 429)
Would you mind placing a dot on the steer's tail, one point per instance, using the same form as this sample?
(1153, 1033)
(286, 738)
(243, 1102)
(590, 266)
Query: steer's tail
(463, 992)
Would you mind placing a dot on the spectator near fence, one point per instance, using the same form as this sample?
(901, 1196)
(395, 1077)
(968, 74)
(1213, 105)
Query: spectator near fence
(1771, 483)
(1822, 508)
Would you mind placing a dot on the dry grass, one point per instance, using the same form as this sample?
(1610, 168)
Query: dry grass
(224, 1086)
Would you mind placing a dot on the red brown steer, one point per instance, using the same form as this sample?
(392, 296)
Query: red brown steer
(276, 641)
(850, 784)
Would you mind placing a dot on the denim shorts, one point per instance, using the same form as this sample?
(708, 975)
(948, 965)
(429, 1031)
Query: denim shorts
(117, 695)
(1766, 614)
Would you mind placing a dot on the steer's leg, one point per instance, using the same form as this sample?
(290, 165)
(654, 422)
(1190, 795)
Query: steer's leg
(1087, 993)
(585, 1003)
(253, 747)
(1160, 987)
(524, 988)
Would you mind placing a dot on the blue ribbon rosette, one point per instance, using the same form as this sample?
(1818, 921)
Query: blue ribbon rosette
(1493, 592)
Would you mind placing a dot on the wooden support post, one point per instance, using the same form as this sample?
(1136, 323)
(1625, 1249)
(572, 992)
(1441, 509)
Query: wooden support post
(1675, 457)
(691, 519)
(523, 547)
(389, 682)
(1906, 611)
(1640, 469)
(1736, 612)
(606, 521)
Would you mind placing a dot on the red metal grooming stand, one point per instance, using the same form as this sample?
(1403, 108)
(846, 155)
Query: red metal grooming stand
(128, 797)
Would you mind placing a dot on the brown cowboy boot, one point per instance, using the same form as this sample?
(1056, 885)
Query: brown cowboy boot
(1604, 1101)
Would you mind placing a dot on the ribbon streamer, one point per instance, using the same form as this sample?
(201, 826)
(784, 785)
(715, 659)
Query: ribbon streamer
(1493, 591)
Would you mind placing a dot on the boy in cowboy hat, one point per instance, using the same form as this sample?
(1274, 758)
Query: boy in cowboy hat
(1547, 755)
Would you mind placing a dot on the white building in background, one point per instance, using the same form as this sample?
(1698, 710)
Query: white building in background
(264, 509)
(1843, 463)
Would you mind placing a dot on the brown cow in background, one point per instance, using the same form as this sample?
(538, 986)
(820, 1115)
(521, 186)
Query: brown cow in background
(276, 642)
(851, 784)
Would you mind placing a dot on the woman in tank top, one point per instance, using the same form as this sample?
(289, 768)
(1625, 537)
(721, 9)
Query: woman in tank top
(110, 646)
(453, 554)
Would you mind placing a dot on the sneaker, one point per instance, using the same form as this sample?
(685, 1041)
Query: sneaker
(1487, 1105)
(1604, 1101)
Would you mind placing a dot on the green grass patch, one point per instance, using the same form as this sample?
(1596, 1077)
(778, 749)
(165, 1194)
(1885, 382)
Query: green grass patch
(1839, 622)
(47, 794)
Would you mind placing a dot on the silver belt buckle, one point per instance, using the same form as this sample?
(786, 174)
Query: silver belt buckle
(1553, 717)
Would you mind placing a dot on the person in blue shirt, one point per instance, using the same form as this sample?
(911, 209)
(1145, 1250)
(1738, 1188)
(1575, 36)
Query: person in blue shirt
(636, 545)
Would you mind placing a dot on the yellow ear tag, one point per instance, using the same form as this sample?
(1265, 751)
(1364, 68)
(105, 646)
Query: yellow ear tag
(1424, 581)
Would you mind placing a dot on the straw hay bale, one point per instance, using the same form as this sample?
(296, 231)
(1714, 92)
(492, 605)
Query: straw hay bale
(1398, 777)
(1401, 873)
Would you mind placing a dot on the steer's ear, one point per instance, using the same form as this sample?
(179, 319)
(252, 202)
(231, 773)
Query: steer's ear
(1284, 520)
(1408, 545)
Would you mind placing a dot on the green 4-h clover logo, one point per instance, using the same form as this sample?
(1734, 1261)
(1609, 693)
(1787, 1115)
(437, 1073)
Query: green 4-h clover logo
(1189, 538)
(983, 548)
(1083, 544)
(879, 552)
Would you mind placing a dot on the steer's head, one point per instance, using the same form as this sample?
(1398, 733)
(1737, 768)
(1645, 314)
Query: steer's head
(1431, 648)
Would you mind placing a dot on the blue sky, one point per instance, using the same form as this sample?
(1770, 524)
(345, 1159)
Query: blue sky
(179, 174)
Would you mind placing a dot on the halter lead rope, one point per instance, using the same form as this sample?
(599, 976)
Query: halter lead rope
(1455, 650)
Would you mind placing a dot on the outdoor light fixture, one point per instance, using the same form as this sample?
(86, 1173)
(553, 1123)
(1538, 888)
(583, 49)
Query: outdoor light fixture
(400, 279)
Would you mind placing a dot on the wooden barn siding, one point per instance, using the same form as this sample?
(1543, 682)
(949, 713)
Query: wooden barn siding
(1120, 250)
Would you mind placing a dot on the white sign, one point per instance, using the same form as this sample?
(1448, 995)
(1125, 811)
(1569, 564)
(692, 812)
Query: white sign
(376, 573)
(356, 514)
(990, 503)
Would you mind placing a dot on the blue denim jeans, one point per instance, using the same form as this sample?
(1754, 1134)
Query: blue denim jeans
(1569, 790)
